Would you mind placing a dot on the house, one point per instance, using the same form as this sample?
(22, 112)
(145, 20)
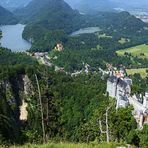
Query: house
(59, 47)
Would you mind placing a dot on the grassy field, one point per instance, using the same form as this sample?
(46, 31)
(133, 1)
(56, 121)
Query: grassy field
(141, 71)
(136, 51)
(71, 145)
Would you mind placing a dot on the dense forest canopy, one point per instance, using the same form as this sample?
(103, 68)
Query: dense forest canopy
(50, 14)
(59, 106)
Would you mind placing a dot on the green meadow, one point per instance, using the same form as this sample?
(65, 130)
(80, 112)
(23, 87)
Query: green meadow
(140, 51)
(141, 71)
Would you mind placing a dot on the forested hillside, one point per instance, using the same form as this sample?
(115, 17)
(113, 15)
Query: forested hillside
(6, 17)
(109, 23)
(106, 5)
(86, 48)
(13, 4)
(87, 6)
(71, 108)
(41, 104)
(50, 14)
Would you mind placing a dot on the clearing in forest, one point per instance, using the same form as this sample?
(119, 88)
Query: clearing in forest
(141, 51)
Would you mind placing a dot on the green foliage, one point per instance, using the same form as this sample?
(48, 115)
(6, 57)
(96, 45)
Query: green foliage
(9, 58)
(139, 84)
(133, 138)
(72, 106)
(122, 122)
(72, 145)
(43, 39)
(54, 15)
(144, 137)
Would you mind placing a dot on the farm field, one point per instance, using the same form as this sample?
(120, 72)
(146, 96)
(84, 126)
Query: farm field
(141, 71)
(140, 51)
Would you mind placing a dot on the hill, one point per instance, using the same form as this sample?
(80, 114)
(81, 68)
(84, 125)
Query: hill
(51, 14)
(122, 22)
(6, 17)
(48, 17)
(13, 4)
(87, 6)
(131, 4)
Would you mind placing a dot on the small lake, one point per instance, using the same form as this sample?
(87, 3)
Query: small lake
(12, 38)
(86, 30)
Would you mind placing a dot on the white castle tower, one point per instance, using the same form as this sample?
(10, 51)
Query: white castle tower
(145, 100)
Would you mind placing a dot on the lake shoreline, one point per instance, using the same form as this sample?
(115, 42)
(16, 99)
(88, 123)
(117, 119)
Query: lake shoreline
(12, 38)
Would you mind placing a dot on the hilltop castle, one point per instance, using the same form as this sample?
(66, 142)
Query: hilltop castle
(119, 87)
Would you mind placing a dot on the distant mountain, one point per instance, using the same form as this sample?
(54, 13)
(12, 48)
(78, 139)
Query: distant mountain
(13, 4)
(106, 5)
(73, 3)
(51, 14)
(129, 4)
(50, 21)
(6, 17)
(92, 5)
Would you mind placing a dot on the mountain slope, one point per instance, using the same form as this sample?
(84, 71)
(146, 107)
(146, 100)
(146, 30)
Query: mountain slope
(50, 13)
(93, 5)
(12, 4)
(6, 17)
(52, 17)
(106, 5)
(131, 4)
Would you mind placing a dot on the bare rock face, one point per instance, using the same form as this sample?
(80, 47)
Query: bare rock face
(28, 87)
(15, 94)
(27, 93)
(23, 111)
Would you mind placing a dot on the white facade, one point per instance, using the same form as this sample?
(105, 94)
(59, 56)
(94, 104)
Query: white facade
(145, 100)
(120, 89)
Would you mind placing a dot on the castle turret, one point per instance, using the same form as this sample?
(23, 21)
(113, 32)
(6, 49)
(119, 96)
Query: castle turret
(145, 100)
(141, 121)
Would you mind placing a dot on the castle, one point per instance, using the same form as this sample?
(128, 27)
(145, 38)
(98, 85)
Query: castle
(59, 47)
(119, 87)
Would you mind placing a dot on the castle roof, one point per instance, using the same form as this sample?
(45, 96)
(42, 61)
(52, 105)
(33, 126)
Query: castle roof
(123, 98)
(146, 111)
(122, 83)
(119, 81)
(112, 79)
(128, 80)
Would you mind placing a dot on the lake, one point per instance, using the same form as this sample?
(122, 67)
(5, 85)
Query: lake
(12, 38)
(86, 30)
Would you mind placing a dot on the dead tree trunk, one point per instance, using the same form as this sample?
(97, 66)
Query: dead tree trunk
(41, 109)
(107, 126)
